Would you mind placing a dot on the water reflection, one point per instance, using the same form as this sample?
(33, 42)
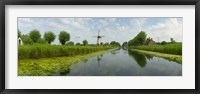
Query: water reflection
(61, 72)
(139, 58)
(113, 52)
(99, 58)
(124, 48)
(65, 72)
(149, 57)
(85, 60)
(123, 63)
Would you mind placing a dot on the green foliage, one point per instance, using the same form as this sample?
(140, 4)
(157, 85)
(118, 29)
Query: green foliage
(106, 44)
(19, 33)
(26, 39)
(45, 67)
(41, 41)
(85, 42)
(51, 66)
(63, 37)
(138, 40)
(150, 54)
(169, 48)
(114, 43)
(49, 37)
(139, 58)
(70, 43)
(78, 44)
(35, 35)
(125, 44)
(46, 50)
(163, 43)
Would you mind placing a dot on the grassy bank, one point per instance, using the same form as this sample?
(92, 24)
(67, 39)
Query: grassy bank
(45, 51)
(169, 48)
(172, 57)
(51, 66)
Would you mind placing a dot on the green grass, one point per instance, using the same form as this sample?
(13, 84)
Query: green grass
(169, 48)
(49, 66)
(172, 57)
(46, 51)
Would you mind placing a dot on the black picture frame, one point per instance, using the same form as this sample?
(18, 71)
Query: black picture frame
(3, 3)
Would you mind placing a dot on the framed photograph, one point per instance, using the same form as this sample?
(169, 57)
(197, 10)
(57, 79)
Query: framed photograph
(65, 46)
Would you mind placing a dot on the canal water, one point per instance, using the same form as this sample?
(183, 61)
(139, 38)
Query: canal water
(122, 62)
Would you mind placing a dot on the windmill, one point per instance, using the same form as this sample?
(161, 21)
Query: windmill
(98, 37)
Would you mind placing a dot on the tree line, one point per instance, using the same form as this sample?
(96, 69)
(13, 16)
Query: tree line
(35, 37)
(141, 38)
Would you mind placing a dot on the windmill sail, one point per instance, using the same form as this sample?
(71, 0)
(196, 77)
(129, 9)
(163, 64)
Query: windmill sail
(98, 37)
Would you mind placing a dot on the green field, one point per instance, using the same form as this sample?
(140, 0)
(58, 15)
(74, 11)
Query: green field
(51, 66)
(46, 51)
(169, 48)
(44, 59)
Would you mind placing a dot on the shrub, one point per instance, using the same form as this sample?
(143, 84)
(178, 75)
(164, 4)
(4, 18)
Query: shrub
(45, 50)
(168, 48)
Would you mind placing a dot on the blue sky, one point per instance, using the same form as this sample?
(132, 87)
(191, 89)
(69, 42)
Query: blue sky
(114, 29)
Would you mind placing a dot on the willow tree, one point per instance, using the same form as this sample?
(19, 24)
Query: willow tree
(35, 35)
(49, 37)
(63, 37)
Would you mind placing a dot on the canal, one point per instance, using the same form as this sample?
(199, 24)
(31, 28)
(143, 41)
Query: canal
(122, 62)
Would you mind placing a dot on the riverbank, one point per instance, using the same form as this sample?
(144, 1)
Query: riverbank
(172, 57)
(49, 66)
(36, 51)
(175, 49)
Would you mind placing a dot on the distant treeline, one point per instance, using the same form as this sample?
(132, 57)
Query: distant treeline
(34, 37)
(141, 39)
(142, 43)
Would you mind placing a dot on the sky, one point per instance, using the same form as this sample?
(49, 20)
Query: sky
(113, 29)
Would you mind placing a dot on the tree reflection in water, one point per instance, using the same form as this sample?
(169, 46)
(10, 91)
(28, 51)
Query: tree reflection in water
(139, 58)
(125, 63)
(149, 57)
(65, 72)
(113, 52)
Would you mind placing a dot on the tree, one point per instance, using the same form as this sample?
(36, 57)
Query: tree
(49, 37)
(85, 42)
(35, 35)
(114, 43)
(19, 33)
(77, 44)
(70, 43)
(163, 43)
(138, 40)
(125, 44)
(41, 41)
(63, 37)
(26, 39)
(106, 44)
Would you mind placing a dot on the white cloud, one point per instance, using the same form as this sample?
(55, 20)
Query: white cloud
(166, 30)
(140, 22)
(79, 23)
(111, 28)
(26, 20)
